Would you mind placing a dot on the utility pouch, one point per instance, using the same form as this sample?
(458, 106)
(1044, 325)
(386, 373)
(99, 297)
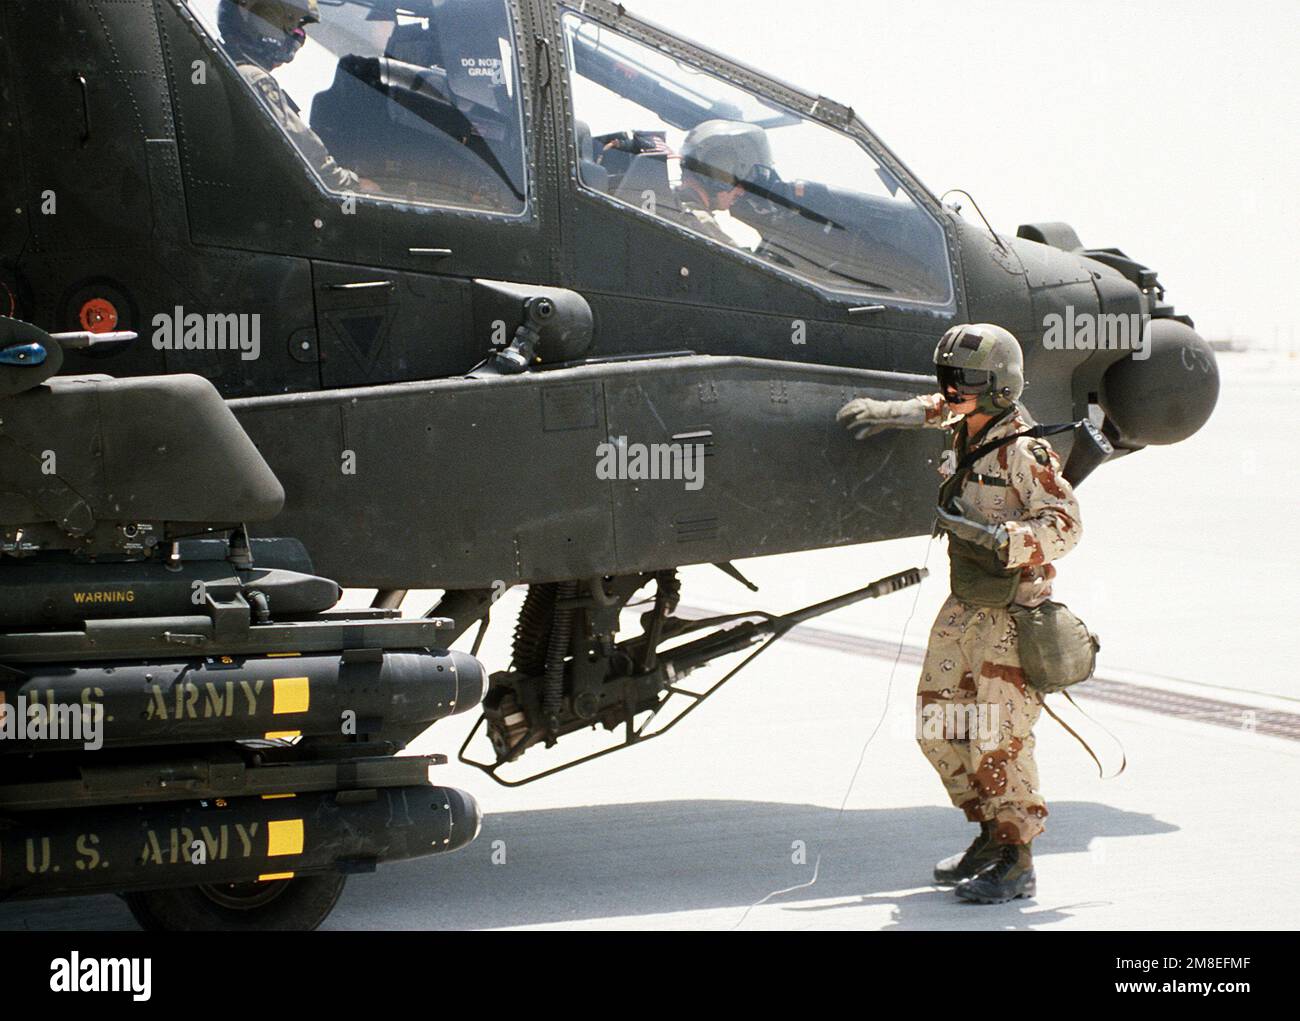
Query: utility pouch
(1056, 648)
(977, 575)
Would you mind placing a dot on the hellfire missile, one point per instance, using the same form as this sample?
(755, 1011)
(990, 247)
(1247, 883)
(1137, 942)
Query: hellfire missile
(268, 839)
(355, 693)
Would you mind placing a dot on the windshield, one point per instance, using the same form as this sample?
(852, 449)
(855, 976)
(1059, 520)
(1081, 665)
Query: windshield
(683, 145)
(413, 100)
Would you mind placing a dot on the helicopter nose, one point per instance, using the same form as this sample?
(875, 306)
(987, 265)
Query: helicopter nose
(1165, 391)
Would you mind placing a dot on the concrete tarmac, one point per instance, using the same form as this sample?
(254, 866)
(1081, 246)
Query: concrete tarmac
(1185, 570)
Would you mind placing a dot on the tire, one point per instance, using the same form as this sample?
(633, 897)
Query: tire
(286, 905)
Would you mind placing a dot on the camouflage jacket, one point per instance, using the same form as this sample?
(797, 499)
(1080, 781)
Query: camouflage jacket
(307, 141)
(1019, 485)
(692, 213)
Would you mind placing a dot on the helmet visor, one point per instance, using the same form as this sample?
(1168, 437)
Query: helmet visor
(957, 382)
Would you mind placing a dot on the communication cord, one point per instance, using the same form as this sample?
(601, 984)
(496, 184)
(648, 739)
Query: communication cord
(862, 755)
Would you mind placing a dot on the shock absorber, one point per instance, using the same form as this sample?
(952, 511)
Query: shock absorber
(668, 592)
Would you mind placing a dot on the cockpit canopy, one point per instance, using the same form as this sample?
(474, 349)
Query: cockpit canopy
(657, 133)
(413, 100)
(420, 101)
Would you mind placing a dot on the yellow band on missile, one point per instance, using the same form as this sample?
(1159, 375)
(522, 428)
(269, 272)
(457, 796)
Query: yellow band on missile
(292, 695)
(283, 836)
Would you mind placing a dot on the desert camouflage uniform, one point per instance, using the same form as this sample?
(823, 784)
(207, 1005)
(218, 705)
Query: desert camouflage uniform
(308, 142)
(972, 658)
(692, 213)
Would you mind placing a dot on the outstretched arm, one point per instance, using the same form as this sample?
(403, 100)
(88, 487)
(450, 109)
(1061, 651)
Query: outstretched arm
(866, 416)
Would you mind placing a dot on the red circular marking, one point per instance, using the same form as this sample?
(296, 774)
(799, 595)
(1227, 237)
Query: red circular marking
(98, 315)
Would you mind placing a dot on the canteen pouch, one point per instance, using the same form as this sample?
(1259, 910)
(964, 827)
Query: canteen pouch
(1056, 648)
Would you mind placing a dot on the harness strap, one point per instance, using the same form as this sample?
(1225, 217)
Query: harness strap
(1101, 772)
(1037, 432)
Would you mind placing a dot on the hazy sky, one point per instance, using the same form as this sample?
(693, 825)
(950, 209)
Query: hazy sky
(1166, 129)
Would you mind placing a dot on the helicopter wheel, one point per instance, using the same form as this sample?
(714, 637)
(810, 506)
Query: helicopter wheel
(297, 905)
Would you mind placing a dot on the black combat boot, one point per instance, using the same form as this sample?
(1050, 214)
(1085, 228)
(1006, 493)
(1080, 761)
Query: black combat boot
(957, 867)
(1011, 875)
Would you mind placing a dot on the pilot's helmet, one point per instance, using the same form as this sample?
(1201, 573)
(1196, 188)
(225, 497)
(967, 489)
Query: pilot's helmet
(268, 32)
(726, 153)
(980, 359)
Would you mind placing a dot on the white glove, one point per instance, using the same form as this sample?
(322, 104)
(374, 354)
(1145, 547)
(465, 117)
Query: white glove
(865, 416)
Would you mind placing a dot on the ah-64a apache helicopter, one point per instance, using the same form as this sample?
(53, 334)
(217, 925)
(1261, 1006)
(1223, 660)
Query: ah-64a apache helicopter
(397, 271)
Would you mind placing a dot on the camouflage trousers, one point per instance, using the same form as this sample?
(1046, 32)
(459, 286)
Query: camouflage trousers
(976, 719)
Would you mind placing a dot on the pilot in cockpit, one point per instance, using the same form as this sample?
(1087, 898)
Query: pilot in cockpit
(722, 160)
(262, 35)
